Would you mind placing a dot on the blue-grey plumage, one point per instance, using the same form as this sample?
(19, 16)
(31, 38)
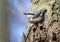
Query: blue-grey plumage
(37, 16)
(39, 13)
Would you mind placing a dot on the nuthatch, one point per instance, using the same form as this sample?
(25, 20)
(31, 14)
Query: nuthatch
(37, 17)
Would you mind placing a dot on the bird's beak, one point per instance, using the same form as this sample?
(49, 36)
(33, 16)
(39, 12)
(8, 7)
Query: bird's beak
(25, 13)
(28, 13)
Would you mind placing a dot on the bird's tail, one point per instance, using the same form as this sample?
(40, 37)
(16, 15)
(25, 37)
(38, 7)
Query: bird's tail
(43, 11)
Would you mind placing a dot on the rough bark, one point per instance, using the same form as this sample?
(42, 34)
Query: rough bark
(49, 30)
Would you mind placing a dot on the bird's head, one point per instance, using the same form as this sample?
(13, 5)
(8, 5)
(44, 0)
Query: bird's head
(29, 15)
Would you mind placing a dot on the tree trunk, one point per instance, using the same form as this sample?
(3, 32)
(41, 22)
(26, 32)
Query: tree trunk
(49, 29)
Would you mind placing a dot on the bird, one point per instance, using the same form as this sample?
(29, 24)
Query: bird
(37, 16)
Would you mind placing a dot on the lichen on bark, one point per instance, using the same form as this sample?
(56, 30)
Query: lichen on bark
(49, 30)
